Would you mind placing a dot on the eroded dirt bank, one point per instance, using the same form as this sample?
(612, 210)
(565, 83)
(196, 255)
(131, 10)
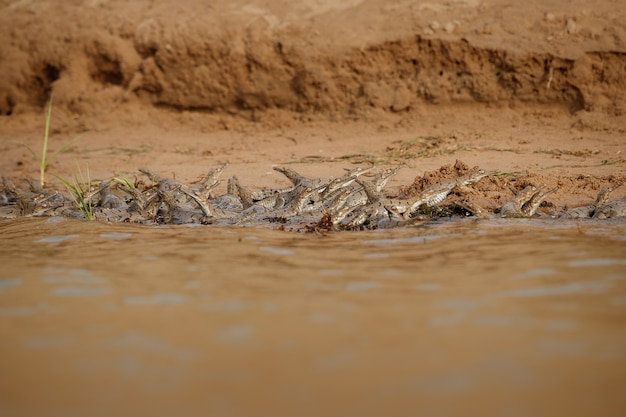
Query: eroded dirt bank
(339, 58)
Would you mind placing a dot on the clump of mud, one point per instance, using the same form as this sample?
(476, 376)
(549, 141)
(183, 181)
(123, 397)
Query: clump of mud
(430, 178)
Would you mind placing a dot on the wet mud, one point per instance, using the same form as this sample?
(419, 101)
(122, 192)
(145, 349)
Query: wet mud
(349, 202)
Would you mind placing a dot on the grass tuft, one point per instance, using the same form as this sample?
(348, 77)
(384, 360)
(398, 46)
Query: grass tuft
(79, 187)
(123, 181)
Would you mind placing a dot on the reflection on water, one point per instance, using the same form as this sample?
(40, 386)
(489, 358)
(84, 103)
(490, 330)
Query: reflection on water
(56, 239)
(156, 299)
(570, 288)
(597, 262)
(8, 283)
(488, 318)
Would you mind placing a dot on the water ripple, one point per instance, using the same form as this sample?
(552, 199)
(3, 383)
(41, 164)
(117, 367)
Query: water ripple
(47, 342)
(22, 311)
(416, 239)
(236, 335)
(9, 283)
(276, 251)
(116, 236)
(156, 299)
(228, 306)
(571, 288)
(535, 272)
(596, 262)
(56, 239)
(71, 275)
(80, 291)
(361, 286)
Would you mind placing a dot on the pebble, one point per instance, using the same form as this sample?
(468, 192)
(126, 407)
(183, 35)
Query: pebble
(570, 26)
(434, 25)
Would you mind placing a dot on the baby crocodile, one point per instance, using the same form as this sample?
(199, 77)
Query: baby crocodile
(436, 193)
(601, 208)
(524, 204)
(611, 210)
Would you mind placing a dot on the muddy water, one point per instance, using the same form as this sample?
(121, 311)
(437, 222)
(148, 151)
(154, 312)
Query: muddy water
(506, 318)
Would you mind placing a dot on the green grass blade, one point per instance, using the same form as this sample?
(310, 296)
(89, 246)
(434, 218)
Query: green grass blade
(123, 181)
(32, 153)
(67, 184)
(77, 192)
(42, 162)
(66, 146)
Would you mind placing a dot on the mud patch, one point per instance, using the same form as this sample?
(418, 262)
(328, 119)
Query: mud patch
(353, 201)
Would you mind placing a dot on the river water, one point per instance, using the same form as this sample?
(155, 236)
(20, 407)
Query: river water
(509, 318)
